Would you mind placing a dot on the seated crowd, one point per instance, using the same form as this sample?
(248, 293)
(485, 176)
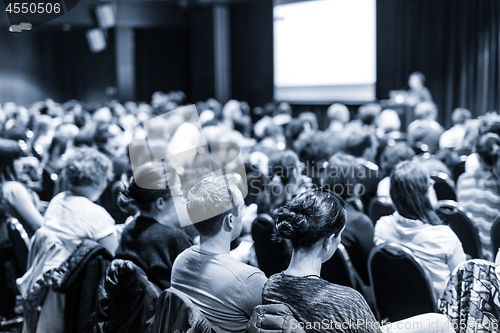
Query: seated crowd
(107, 229)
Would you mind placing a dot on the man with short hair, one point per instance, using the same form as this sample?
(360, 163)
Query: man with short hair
(425, 129)
(223, 288)
(453, 137)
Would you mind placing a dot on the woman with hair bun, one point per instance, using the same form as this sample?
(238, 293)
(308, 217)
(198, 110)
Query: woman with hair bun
(313, 222)
(152, 241)
(478, 191)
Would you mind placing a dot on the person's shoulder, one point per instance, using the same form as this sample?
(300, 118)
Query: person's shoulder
(96, 213)
(172, 232)
(13, 190)
(189, 252)
(12, 186)
(385, 221)
(239, 269)
(187, 255)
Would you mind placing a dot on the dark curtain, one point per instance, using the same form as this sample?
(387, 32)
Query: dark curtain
(161, 61)
(453, 42)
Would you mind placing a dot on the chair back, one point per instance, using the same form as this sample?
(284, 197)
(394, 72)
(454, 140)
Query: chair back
(378, 209)
(13, 262)
(495, 236)
(175, 312)
(400, 285)
(126, 299)
(454, 216)
(339, 269)
(459, 168)
(20, 244)
(444, 186)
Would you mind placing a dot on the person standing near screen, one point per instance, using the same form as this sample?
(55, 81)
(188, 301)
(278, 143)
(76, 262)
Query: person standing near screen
(418, 92)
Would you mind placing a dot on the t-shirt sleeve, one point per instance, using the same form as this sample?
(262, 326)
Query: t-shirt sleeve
(253, 292)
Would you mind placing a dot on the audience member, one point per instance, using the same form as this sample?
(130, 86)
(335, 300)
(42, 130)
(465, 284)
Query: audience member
(453, 137)
(313, 222)
(224, 289)
(391, 156)
(344, 179)
(339, 115)
(71, 217)
(20, 200)
(478, 192)
(362, 143)
(152, 241)
(284, 167)
(272, 254)
(425, 129)
(388, 131)
(416, 226)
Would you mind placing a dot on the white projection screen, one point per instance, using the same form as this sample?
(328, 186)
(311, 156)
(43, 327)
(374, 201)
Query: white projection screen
(325, 51)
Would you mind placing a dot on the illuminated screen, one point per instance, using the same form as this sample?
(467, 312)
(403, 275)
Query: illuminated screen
(324, 51)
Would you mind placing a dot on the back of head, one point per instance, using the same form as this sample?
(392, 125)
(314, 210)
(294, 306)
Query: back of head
(368, 113)
(149, 184)
(489, 123)
(358, 141)
(410, 184)
(310, 217)
(389, 121)
(293, 130)
(392, 155)
(210, 201)
(284, 165)
(343, 175)
(460, 116)
(87, 167)
(425, 110)
(338, 112)
(283, 108)
(488, 148)
(310, 118)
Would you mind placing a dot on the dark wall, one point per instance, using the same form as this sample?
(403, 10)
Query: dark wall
(27, 73)
(162, 61)
(252, 51)
(81, 74)
(47, 62)
(201, 54)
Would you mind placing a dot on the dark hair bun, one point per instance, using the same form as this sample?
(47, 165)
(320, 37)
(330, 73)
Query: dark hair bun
(290, 222)
(285, 229)
(125, 200)
(309, 217)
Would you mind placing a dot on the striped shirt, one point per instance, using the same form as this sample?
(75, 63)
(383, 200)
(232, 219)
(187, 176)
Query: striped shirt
(479, 194)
